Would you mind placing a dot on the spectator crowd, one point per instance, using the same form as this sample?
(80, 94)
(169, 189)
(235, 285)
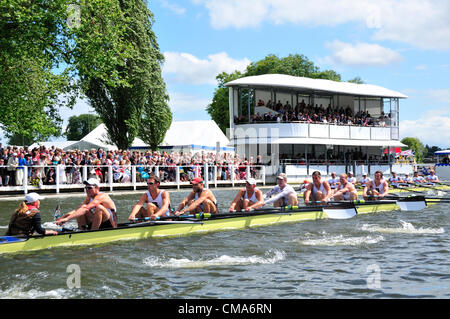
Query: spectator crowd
(313, 114)
(41, 163)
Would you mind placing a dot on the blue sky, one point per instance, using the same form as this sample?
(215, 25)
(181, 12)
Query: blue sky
(402, 45)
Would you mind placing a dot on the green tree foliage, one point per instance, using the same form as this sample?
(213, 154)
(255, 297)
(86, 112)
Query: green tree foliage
(294, 64)
(218, 109)
(356, 80)
(32, 81)
(108, 52)
(81, 125)
(429, 150)
(119, 64)
(416, 146)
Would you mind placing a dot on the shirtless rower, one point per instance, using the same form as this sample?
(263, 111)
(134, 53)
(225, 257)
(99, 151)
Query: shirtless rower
(378, 188)
(317, 191)
(283, 194)
(199, 200)
(345, 190)
(248, 198)
(157, 200)
(97, 211)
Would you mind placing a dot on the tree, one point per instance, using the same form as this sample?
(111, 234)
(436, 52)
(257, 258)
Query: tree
(157, 116)
(32, 81)
(294, 64)
(81, 125)
(119, 64)
(416, 146)
(356, 80)
(17, 139)
(218, 109)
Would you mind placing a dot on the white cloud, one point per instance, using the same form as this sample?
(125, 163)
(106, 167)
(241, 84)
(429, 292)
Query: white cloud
(362, 54)
(173, 7)
(421, 23)
(184, 103)
(187, 68)
(431, 128)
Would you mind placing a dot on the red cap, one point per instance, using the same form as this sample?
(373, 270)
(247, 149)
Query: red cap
(197, 180)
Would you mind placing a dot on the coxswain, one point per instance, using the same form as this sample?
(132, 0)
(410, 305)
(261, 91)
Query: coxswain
(378, 188)
(27, 219)
(248, 198)
(199, 200)
(153, 203)
(345, 190)
(283, 194)
(97, 211)
(317, 191)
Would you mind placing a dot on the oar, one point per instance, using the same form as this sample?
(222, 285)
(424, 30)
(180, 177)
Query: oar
(344, 211)
(161, 222)
(419, 197)
(348, 207)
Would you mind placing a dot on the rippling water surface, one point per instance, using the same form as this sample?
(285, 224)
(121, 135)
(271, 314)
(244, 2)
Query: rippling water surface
(383, 255)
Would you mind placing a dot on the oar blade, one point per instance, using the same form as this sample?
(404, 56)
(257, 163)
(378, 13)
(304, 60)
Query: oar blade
(344, 211)
(415, 203)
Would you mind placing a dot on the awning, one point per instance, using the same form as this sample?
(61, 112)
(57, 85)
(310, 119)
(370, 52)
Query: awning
(443, 152)
(321, 141)
(283, 81)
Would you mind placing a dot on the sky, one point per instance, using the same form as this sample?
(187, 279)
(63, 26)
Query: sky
(403, 45)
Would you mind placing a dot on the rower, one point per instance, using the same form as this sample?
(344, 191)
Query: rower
(432, 178)
(199, 200)
(351, 178)
(345, 190)
(317, 191)
(284, 194)
(157, 200)
(407, 180)
(248, 198)
(395, 180)
(364, 180)
(417, 179)
(378, 188)
(27, 219)
(333, 181)
(97, 211)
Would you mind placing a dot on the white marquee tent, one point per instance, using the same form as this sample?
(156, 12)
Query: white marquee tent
(182, 135)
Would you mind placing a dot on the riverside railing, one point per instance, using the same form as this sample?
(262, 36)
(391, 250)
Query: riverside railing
(60, 177)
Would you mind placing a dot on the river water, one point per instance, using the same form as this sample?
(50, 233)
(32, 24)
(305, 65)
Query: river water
(383, 255)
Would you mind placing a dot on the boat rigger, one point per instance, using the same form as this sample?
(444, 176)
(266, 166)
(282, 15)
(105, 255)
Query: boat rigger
(203, 223)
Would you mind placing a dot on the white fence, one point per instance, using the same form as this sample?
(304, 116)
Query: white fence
(59, 177)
